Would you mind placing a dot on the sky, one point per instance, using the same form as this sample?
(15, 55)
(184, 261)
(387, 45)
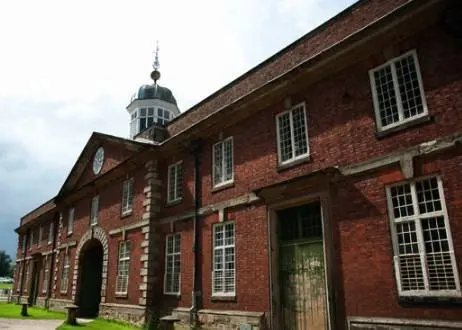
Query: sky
(68, 68)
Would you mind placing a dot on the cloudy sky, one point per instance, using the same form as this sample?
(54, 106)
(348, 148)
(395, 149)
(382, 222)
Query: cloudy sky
(68, 68)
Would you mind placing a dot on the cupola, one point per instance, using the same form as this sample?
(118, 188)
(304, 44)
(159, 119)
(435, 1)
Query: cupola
(151, 105)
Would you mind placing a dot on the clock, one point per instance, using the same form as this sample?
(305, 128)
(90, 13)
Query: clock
(98, 160)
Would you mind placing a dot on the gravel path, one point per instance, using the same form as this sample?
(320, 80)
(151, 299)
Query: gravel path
(13, 324)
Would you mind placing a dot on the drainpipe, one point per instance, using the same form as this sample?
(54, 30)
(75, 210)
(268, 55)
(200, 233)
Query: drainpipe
(52, 261)
(195, 149)
(23, 266)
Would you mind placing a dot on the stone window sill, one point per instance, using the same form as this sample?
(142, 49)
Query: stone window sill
(173, 203)
(121, 295)
(173, 295)
(416, 122)
(435, 301)
(223, 186)
(126, 214)
(224, 298)
(286, 166)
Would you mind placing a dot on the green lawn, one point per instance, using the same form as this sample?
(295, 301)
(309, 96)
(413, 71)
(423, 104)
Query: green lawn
(98, 324)
(13, 311)
(6, 285)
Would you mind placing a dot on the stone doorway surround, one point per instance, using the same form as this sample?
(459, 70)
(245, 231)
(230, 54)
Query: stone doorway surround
(94, 232)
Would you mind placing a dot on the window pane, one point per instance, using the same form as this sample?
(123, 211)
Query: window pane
(409, 87)
(218, 163)
(407, 238)
(224, 259)
(300, 143)
(179, 181)
(411, 273)
(402, 201)
(428, 196)
(386, 97)
(171, 187)
(439, 262)
(285, 144)
(228, 155)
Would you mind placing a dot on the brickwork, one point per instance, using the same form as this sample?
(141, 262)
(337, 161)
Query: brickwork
(342, 135)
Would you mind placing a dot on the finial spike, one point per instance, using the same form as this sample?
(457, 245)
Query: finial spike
(156, 63)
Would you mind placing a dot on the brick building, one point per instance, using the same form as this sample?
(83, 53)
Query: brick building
(320, 190)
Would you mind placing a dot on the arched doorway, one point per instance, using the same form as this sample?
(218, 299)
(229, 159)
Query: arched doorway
(90, 278)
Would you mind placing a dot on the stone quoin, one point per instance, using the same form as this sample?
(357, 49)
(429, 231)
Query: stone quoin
(319, 190)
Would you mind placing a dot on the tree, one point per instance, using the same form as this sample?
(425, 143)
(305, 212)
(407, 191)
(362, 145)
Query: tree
(5, 264)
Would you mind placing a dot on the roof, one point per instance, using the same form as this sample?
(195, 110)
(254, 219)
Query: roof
(347, 22)
(39, 211)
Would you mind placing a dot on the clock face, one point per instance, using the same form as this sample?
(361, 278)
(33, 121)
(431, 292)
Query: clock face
(98, 160)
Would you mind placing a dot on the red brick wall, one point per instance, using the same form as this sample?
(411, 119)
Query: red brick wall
(341, 131)
(135, 238)
(308, 46)
(252, 278)
(366, 257)
(110, 199)
(114, 154)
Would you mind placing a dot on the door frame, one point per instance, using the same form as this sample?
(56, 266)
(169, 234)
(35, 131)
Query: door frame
(273, 243)
(34, 281)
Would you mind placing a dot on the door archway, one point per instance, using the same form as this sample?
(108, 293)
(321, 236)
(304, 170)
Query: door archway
(94, 240)
(90, 278)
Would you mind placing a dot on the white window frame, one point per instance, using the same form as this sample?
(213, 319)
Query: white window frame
(123, 259)
(51, 233)
(169, 291)
(46, 271)
(40, 236)
(177, 186)
(127, 196)
(70, 220)
(27, 275)
(399, 103)
(222, 249)
(416, 218)
(65, 274)
(24, 242)
(31, 238)
(223, 181)
(292, 138)
(18, 284)
(94, 210)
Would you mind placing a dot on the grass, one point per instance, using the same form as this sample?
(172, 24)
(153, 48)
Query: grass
(98, 324)
(13, 311)
(6, 285)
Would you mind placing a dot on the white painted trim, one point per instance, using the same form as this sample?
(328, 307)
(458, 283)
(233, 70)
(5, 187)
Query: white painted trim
(70, 220)
(129, 185)
(416, 219)
(222, 142)
(166, 292)
(136, 225)
(119, 259)
(94, 214)
(399, 103)
(174, 167)
(292, 139)
(223, 248)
